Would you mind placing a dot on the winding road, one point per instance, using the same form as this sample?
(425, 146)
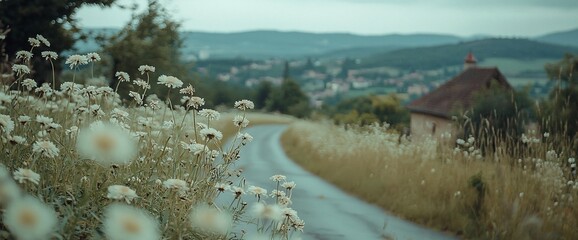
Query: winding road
(328, 212)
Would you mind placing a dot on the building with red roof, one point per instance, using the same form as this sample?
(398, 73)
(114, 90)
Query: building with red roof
(431, 114)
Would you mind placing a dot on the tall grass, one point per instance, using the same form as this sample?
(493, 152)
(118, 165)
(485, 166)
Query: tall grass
(80, 163)
(447, 185)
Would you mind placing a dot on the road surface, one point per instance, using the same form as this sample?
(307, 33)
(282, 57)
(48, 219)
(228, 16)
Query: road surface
(328, 212)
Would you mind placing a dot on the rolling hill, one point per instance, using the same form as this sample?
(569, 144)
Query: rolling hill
(452, 54)
(276, 44)
(567, 38)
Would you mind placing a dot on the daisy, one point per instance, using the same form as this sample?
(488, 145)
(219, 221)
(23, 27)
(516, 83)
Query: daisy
(43, 40)
(6, 124)
(9, 191)
(23, 174)
(284, 201)
(5, 98)
(257, 191)
(177, 184)
(20, 69)
(244, 104)
(23, 119)
(195, 102)
(190, 90)
(221, 187)
(245, 138)
(24, 55)
(278, 178)
(210, 114)
(146, 68)
(170, 81)
(49, 55)
(28, 218)
(122, 222)
(237, 191)
(17, 140)
(76, 60)
(29, 84)
(211, 133)
(93, 57)
(43, 120)
(240, 121)
(288, 185)
(34, 42)
(263, 211)
(122, 76)
(46, 148)
(106, 143)
(209, 219)
(121, 192)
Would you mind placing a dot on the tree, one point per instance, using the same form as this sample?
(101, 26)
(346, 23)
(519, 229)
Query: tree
(53, 19)
(561, 113)
(499, 113)
(289, 98)
(263, 93)
(150, 38)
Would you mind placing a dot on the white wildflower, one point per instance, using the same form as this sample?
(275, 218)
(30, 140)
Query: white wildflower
(210, 134)
(20, 69)
(46, 148)
(146, 69)
(122, 76)
(93, 57)
(210, 114)
(209, 219)
(121, 192)
(6, 124)
(24, 119)
(23, 174)
(34, 42)
(170, 81)
(288, 185)
(76, 60)
(257, 191)
(24, 55)
(106, 143)
(263, 211)
(123, 222)
(244, 104)
(43, 40)
(240, 121)
(278, 178)
(177, 184)
(49, 55)
(29, 84)
(28, 218)
(190, 90)
(245, 138)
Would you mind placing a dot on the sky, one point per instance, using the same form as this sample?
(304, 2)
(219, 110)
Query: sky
(508, 18)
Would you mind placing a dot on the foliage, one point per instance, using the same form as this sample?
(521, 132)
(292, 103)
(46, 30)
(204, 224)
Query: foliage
(150, 38)
(89, 167)
(53, 19)
(370, 109)
(528, 196)
(498, 111)
(561, 113)
(288, 98)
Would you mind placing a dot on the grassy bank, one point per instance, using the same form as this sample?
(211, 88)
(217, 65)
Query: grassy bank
(446, 188)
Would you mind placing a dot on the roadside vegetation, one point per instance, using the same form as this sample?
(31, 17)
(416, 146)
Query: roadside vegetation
(449, 186)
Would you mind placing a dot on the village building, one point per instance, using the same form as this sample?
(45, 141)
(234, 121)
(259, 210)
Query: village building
(431, 114)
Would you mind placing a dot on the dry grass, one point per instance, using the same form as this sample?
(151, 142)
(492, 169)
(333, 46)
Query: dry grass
(432, 184)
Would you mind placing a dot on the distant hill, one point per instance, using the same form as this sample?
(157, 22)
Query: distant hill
(452, 54)
(268, 44)
(567, 38)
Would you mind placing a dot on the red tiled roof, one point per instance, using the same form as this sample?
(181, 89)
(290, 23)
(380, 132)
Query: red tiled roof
(457, 93)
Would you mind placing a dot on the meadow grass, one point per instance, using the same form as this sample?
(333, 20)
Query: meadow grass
(79, 162)
(447, 186)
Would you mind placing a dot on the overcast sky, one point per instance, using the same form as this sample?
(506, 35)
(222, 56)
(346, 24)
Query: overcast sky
(459, 17)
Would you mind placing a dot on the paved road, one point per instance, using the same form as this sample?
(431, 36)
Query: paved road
(329, 213)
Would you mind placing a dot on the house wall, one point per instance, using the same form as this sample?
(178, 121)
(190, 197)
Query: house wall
(423, 125)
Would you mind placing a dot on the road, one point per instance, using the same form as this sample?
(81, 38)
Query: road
(328, 212)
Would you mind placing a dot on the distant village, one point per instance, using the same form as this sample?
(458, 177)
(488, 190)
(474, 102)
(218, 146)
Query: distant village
(328, 81)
